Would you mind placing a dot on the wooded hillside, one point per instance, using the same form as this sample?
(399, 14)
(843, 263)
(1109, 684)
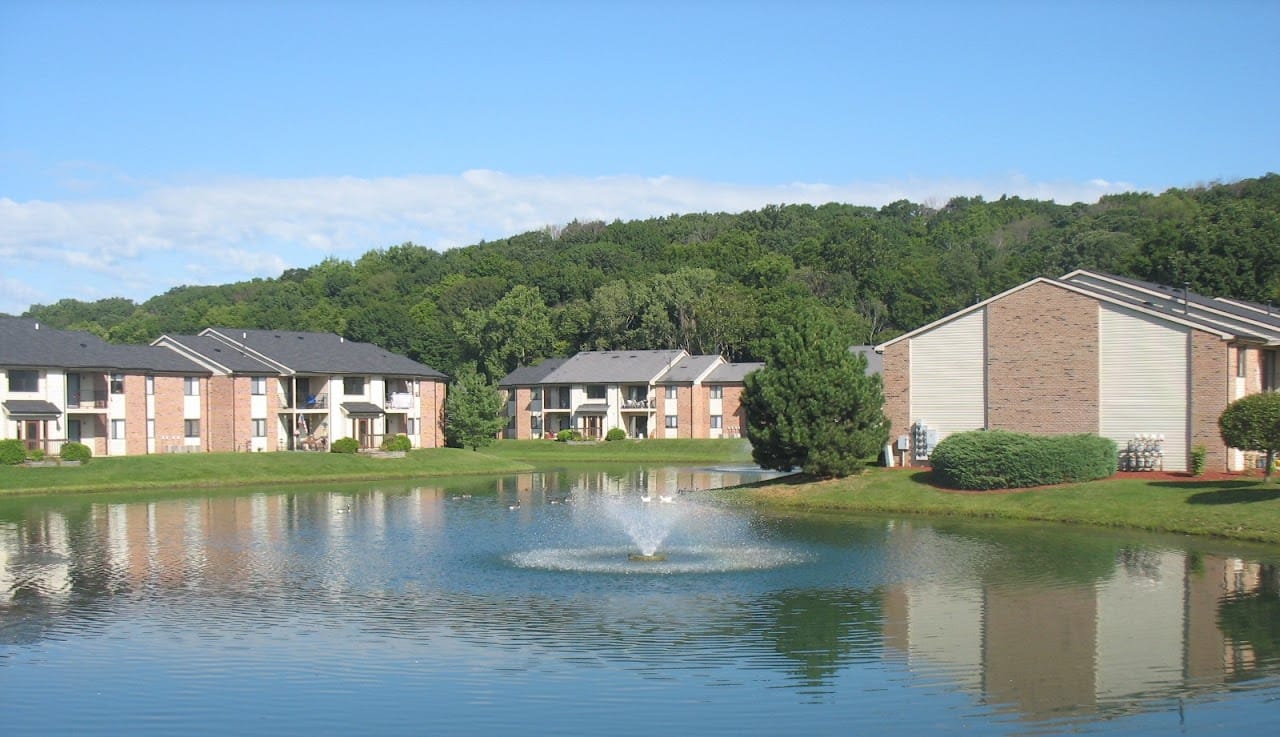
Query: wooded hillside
(705, 282)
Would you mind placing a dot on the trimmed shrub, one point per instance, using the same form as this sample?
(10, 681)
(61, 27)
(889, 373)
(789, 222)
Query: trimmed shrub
(35, 454)
(345, 445)
(397, 443)
(1199, 455)
(12, 453)
(565, 436)
(616, 433)
(999, 459)
(74, 451)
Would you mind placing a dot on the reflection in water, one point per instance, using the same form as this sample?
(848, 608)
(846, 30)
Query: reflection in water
(1041, 624)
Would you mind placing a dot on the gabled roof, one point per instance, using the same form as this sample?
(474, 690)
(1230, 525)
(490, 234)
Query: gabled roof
(690, 369)
(731, 373)
(614, 367)
(531, 375)
(1159, 303)
(28, 344)
(217, 355)
(320, 353)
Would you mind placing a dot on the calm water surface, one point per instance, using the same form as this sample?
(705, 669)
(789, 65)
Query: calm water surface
(488, 606)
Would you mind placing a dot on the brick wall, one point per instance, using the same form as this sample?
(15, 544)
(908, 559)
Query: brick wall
(431, 424)
(135, 414)
(225, 424)
(169, 416)
(897, 389)
(1212, 373)
(734, 422)
(1042, 362)
(699, 411)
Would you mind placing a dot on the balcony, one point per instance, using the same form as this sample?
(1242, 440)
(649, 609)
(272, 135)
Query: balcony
(639, 405)
(86, 401)
(399, 401)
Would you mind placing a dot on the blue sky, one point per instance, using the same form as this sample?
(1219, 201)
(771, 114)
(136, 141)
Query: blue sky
(149, 144)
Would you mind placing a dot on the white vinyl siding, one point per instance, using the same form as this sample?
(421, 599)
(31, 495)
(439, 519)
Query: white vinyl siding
(948, 375)
(1142, 382)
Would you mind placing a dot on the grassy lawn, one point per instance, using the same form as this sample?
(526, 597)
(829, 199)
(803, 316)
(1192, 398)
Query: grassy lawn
(548, 452)
(243, 469)
(1241, 508)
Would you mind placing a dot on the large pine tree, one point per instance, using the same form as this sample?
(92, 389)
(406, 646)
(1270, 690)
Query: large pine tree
(472, 411)
(813, 407)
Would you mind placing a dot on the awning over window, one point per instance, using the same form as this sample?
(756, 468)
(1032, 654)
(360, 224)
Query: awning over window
(31, 409)
(593, 409)
(361, 409)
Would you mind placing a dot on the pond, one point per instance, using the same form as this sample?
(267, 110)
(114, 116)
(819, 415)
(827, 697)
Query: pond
(486, 606)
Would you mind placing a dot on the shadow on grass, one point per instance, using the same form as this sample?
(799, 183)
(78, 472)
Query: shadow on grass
(1234, 492)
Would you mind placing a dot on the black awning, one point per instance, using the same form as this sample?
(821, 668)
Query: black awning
(593, 409)
(362, 409)
(31, 409)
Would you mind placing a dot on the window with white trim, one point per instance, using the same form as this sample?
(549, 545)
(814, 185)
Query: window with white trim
(717, 391)
(117, 383)
(671, 422)
(24, 380)
(117, 429)
(191, 429)
(259, 428)
(258, 385)
(671, 392)
(191, 387)
(717, 422)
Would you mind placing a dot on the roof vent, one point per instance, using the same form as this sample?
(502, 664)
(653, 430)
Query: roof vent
(37, 326)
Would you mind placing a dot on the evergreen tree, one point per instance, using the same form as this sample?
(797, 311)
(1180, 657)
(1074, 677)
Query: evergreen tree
(472, 411)
(813, 407)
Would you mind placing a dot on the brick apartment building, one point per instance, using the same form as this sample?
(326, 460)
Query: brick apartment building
(1087, 353)
(647, 394)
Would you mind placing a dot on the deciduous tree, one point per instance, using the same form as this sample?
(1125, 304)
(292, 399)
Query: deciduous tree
(1253, 423)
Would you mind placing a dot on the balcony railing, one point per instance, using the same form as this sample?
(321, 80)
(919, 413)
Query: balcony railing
(634, 404)
(85, 401)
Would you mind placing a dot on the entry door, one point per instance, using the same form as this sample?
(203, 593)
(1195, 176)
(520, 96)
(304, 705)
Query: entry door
(73, 391)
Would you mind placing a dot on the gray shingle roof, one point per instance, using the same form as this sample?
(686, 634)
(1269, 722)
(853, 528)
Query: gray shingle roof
(26, 343)
(732, 373)
(229, 357)
(323, 353)
(26, 409)
(531, 375)
(875, 361)
(613, 367)
(688, 370)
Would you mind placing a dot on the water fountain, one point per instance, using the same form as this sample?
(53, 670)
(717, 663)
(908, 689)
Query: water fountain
(663, 534)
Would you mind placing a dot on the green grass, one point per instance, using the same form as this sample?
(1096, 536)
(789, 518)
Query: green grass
(244, 469)
(547, 452)
(1242, 508)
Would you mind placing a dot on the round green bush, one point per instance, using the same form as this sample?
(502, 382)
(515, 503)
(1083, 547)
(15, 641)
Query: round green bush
(565, 436)
(12, 452)
(345, 445)
(616, 433)
(74, 451)
(35, 454)
(999, 459)
(397, 443)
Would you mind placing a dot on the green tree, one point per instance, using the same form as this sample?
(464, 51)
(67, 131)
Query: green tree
(813, 406)
(471, 411)
(514, 332)
(1253, 423)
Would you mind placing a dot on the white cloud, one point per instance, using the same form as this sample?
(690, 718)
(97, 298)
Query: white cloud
(237, 229)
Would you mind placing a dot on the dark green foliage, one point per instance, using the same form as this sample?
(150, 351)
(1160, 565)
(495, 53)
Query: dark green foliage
(345, 445)
(397, 443)
(12, 452)
(813, 407)
(1198, 457)
(565, 436)
(708, 282)
(999, 459)
(35, 454)
(1253, 423)
(472, 410)
(73, 451)
(616, 433)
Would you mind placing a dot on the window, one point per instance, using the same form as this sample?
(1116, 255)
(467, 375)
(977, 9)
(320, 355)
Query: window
(717, 422)
(191, 387)
(23, 380)
(595, 391)
(117, 429)
(258, 385)
(535, 394)
(671, 422)
(151, 429)
(353, 386)
(1242, 361)
(671, 392)
(191, 428)
(151, 386)
(117, 383)
(259, 428)
(717, 392)
(411, 427)
(535, 423)
(1270, 372)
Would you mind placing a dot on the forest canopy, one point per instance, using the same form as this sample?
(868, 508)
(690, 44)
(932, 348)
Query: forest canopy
(707, 282)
